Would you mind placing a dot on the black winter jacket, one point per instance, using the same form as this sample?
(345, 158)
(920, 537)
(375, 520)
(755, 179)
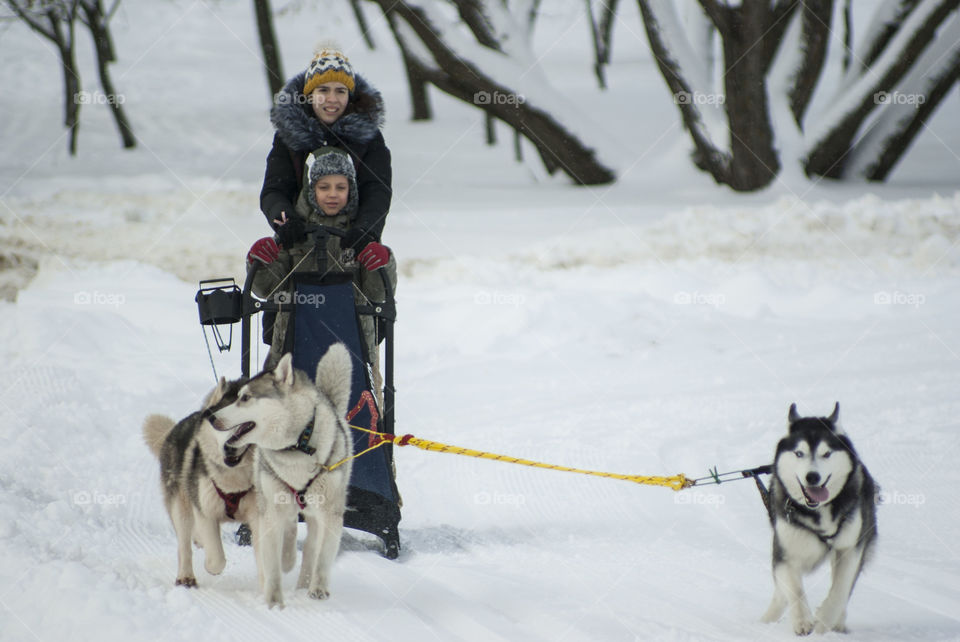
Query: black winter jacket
(357, 131)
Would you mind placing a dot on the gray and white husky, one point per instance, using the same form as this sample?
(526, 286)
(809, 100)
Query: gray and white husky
(822, 506)
(302, 437)
(201, 487)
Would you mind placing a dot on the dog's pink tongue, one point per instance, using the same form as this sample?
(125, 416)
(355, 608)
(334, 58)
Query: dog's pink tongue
(818, 493)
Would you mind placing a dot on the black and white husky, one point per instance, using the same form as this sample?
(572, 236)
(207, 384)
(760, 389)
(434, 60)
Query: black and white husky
(822, 506)
(201, 488)
(302, 464)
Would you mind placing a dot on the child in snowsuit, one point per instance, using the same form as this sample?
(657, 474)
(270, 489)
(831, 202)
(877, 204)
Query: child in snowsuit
(329, 198)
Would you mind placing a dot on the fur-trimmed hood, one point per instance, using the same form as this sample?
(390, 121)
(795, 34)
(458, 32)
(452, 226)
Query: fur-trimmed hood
(302, 131)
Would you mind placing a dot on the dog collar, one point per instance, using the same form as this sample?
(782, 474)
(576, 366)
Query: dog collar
(303, 441)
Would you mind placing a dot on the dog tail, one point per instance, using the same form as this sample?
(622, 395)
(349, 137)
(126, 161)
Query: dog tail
(334, 377)
(155, 431)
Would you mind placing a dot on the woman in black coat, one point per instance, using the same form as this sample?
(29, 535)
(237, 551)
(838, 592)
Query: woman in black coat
(328, 105)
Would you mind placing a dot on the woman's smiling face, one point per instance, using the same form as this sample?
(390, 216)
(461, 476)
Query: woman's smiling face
(329, 101)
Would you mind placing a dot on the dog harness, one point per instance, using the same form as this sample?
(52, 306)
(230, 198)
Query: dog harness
(303, 442)
(231, 501)
(300, 495)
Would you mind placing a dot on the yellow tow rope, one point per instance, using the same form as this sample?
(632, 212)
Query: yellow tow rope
(676, 482)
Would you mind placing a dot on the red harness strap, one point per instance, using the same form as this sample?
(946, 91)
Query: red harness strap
(231, 501)
(299, 495)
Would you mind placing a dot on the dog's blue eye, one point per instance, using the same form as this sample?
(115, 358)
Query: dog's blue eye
(799, 454)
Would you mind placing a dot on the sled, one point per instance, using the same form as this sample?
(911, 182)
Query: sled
(323, 312)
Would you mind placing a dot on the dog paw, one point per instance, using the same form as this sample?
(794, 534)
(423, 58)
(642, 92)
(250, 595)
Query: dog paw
(319, 594)
(803, 627)
(189, 582)
(275, 601)
(215, 566)
(822, 627)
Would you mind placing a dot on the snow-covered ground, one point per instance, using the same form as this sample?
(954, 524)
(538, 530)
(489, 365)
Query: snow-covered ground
(659, 326)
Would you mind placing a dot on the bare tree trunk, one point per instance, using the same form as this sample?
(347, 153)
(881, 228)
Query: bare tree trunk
(904, 112)
(466, 81)
(847, 34)
(96, 22)
(608, 17)
(898, 144)
(597, 46)
(750, 34)
(828, 153)
(754, 162)
(362, 22)
(882, 37)
(707, 155)
(416, 78)
(816, 20)
(71, 78)
(55, 14)
(269, 46)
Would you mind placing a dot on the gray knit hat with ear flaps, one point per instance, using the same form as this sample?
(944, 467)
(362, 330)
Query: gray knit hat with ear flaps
(328, 161)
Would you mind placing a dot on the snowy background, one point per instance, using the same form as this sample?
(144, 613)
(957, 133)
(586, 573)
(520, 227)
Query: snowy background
(657, 326)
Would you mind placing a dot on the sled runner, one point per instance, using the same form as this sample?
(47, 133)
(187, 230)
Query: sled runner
(322, 311)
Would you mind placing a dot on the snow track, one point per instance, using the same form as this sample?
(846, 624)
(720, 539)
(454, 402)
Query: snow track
(657, 326)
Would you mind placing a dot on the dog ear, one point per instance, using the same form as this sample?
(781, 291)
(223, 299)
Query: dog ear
(835, 417)
(793, 416)
(215, 395)
(834, 420)
(284, 373)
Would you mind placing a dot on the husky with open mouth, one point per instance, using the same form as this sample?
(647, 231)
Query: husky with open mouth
(302, 464)
(822, 506)
(203, 485)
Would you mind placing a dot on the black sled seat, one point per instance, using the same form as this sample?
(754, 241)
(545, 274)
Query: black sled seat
(323, 312)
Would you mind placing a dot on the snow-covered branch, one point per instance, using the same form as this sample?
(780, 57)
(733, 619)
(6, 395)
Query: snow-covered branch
(492, 67)
(830, 140)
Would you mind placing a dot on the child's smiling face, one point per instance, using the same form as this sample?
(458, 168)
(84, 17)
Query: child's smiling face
(332, 193)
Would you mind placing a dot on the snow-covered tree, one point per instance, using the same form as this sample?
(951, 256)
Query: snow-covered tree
(56, 21)
(478, 51)
(790, 87)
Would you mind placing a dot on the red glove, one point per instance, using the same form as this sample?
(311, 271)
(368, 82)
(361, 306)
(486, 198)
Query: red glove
(264, 250)
(374, 256)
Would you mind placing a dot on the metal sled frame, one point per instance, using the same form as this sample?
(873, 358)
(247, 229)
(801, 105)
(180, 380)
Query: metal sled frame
(386, 311)
(384, 314)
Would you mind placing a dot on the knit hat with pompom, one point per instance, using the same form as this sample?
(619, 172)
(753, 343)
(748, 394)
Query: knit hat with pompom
(328, 65)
